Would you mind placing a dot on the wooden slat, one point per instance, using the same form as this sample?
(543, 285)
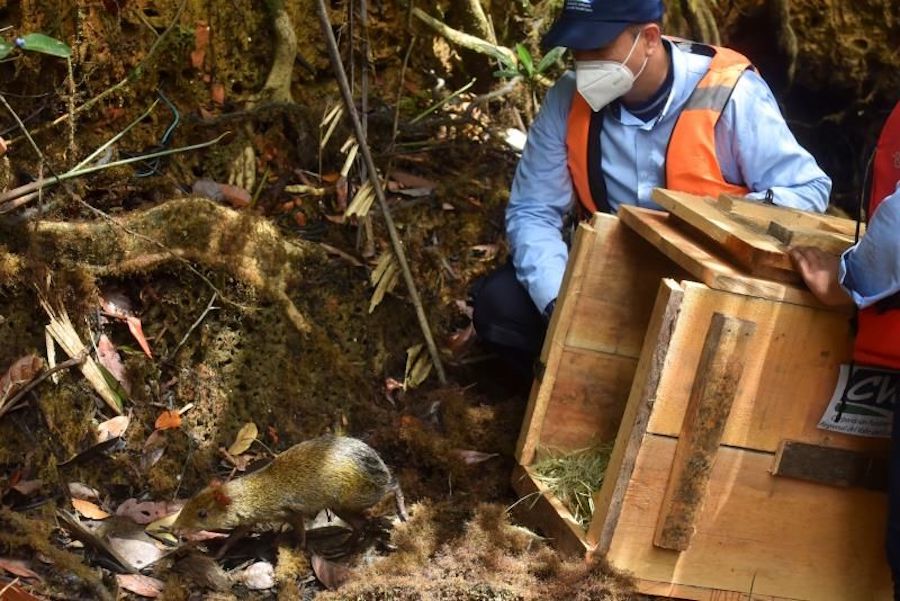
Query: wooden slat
(789, 376)
(701, 262)
(829, 242)
(608, 500)
(715, 388)
(750, 248)
(617, 293)
(554, 343)
(541, 510)
(588, 399)
(829, 466)
(667, 590)
(757, 533)
(764, 214)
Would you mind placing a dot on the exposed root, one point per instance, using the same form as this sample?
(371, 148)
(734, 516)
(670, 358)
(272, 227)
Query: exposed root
(278, 84)
(701, 20)
(787, 38)
(192, 229)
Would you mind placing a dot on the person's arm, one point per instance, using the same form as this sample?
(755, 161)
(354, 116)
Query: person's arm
(541, 195)
(870, 271)
(867, 272)
(757, 148)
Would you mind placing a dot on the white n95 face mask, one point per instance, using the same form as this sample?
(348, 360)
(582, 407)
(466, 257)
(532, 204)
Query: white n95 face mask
(600, 82)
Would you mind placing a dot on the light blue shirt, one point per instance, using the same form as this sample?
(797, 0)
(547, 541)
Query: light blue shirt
(753, 144)
(870, 271)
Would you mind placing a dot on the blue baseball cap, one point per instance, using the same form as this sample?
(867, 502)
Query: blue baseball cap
(592, 24)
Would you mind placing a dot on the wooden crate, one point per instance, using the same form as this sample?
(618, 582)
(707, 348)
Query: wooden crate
(689, 343)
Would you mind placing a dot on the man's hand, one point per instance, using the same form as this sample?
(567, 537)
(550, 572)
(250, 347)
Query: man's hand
(820, 272)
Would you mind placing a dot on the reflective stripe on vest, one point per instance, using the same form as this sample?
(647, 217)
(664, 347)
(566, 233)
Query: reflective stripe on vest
(691, 162)
(878, 332)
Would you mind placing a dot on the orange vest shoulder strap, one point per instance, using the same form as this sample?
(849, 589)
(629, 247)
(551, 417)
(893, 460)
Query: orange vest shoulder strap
(583, 150)
(691, 161)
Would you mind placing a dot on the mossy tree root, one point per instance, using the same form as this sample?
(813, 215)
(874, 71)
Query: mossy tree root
(190, 229)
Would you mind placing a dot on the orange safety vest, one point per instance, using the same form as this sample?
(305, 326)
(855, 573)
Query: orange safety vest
(691, 162)
(878, 330)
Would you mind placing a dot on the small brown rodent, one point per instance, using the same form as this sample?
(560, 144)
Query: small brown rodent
(339, 473)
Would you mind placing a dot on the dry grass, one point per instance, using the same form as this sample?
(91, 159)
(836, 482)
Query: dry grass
(573, 478)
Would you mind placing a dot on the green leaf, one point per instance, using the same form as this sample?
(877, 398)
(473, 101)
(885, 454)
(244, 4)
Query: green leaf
(38, 42)
(526, 59)
(5, 49)
(506, 73)
(550, 59)
(114, 385)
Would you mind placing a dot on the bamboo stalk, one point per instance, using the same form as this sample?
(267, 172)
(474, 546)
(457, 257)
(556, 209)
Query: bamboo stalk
(396, 243)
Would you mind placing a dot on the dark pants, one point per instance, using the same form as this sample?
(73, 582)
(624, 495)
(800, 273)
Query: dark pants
(893, 524)
(506, 319)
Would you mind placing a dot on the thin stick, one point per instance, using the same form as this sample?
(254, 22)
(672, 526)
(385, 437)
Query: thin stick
(8, 586)
(10, 405)
(476, 44)
(379, 192)
(46, 183)
(209, 307)
(134, 74)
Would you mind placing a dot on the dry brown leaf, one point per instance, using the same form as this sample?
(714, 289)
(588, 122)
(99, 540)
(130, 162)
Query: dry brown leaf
(331, 574)
(20, 373)
(473, 457)
(168, 420)
(89, 510)
(244, 439)
(112, 428)
(108, 357)
(146, 512)
(27, 487)
(18, 567)
(15, 593)
(137, 330)
(201, 43)
(145, 586)
(83, 491)
(154, 447)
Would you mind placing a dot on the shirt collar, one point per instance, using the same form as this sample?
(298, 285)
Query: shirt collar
(679, 67)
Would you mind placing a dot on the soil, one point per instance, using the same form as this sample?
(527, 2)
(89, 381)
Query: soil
(291, 343)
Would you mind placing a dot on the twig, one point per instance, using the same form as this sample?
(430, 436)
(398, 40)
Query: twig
(209, 307)
(476, 44)
(46, 183)
(441, 102)
(396, 125)
(134, 74)
(8, 586)
(373, 177)
(10, 405)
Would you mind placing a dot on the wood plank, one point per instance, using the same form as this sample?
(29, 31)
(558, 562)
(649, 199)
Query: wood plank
(832, 467)
(588, 399)
(554, 342)
(539, 509)
(667, 590)
(764, 214)
(617, 293)
(829, 242)
(701, 262)
(789, 376)
(608, 500)
(715, 387)
(772, 536)
(751, 249)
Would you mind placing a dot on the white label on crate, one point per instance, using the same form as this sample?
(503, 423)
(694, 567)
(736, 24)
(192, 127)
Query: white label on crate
(863, 402)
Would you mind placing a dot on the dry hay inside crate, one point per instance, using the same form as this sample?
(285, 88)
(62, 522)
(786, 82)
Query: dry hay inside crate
(574, 477)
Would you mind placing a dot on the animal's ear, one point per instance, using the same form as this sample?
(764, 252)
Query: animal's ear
(218, 494)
